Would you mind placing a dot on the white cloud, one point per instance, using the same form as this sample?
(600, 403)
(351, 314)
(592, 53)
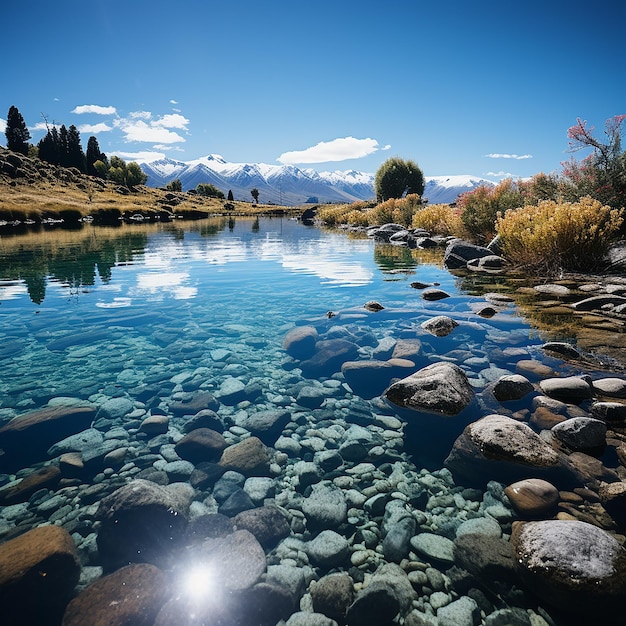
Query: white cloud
(172, 120)
(500, 174)
(387, 147)
(3, 125)
(44, 126)
(497, 155)
(160, 146)
(95, 128)
(339, 149)
(94, 108)
(139, 126)
(144, 156)
(173, 102)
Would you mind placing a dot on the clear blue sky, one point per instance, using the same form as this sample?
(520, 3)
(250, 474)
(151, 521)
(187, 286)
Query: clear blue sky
(460, 87)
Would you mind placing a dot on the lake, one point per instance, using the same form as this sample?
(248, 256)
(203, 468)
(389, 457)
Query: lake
(150, 333)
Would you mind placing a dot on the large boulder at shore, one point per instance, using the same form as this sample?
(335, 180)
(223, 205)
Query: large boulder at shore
(500, 446)
(459, 252)
(574, 566)
(440, 388)
(26, 438)
(131, 595)
(38, 572)
(142, 522)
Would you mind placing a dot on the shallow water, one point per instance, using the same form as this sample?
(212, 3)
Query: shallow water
(154, 314)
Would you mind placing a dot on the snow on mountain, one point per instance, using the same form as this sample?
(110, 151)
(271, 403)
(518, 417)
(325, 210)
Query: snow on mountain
(445, 189)
(290, 185)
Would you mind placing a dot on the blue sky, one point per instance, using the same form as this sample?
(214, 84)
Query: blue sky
(483, 88)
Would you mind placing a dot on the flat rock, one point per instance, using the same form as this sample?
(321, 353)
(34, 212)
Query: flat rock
(369, 379)
(572, 565)
(266, 425)
(38, 572)
(440, 388)
(132, 595)
(434, 547)
(198, 401)
(612, 387)
(561, 348)
(434, 294)
(570, 388)
(27, 438)
(46, 477)
(329, 356)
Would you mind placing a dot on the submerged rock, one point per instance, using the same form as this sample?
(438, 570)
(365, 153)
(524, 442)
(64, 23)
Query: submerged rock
(131, 595)
(38, 572)
(572, 565)
(440, 388)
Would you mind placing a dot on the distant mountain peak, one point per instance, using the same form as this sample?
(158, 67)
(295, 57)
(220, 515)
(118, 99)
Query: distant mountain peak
(290, 185)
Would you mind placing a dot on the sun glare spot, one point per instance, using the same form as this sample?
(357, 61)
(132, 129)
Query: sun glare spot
(198, 581)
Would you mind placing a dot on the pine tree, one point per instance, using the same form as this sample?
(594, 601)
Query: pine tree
(230, 195)
(64, 143)
(16, 132)
(75, 154)
(50, 147)
(93, 155)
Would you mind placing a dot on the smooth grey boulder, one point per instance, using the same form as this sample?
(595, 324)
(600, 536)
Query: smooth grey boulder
(329, 549)
(501, 446)
(572, 565)
(459, 252)
(512, 387)
(581, 433)
(440, 388)
(325, 508)
(570, 388)
(612, 387)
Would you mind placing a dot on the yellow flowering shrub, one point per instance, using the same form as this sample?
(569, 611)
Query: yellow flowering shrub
(439, 219)
(559, 235)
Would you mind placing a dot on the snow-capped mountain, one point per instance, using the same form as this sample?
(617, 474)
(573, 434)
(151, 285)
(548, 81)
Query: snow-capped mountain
(290, 185)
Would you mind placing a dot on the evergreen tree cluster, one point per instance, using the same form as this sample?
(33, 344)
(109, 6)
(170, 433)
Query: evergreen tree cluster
(61, 146)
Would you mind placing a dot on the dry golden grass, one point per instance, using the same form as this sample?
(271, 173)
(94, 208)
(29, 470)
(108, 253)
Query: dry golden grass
(32, 201)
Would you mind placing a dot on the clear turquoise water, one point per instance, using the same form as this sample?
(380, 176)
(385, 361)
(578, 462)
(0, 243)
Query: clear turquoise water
(104, 312)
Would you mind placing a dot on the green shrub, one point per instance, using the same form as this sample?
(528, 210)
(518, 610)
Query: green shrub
(552, 236)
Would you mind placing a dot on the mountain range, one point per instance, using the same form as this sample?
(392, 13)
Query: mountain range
(287, 185)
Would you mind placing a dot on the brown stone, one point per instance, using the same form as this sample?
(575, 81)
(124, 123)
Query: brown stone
(38, 571)
(155, 425)
(544, 419)
(250, 457)
(537, 368)
(533, 498)
(26, 438)
(45, 478)
(201, 444)
(131, 595)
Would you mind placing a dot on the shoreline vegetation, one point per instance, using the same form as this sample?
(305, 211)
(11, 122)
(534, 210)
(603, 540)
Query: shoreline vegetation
(35, 192)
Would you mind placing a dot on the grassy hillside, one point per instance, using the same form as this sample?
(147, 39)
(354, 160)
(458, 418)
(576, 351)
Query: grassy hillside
(31, 189)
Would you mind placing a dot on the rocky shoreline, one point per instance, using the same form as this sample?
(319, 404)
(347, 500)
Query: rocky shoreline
(395, 469)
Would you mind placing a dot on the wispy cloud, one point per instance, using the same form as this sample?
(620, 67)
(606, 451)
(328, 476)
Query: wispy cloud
(339, 149)
(3, 125)
(144, 156)
(173, 102)
(140, 126)
(95, 128)
(501, 174)
(44, 126)
(94, 108)
(498, 155)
